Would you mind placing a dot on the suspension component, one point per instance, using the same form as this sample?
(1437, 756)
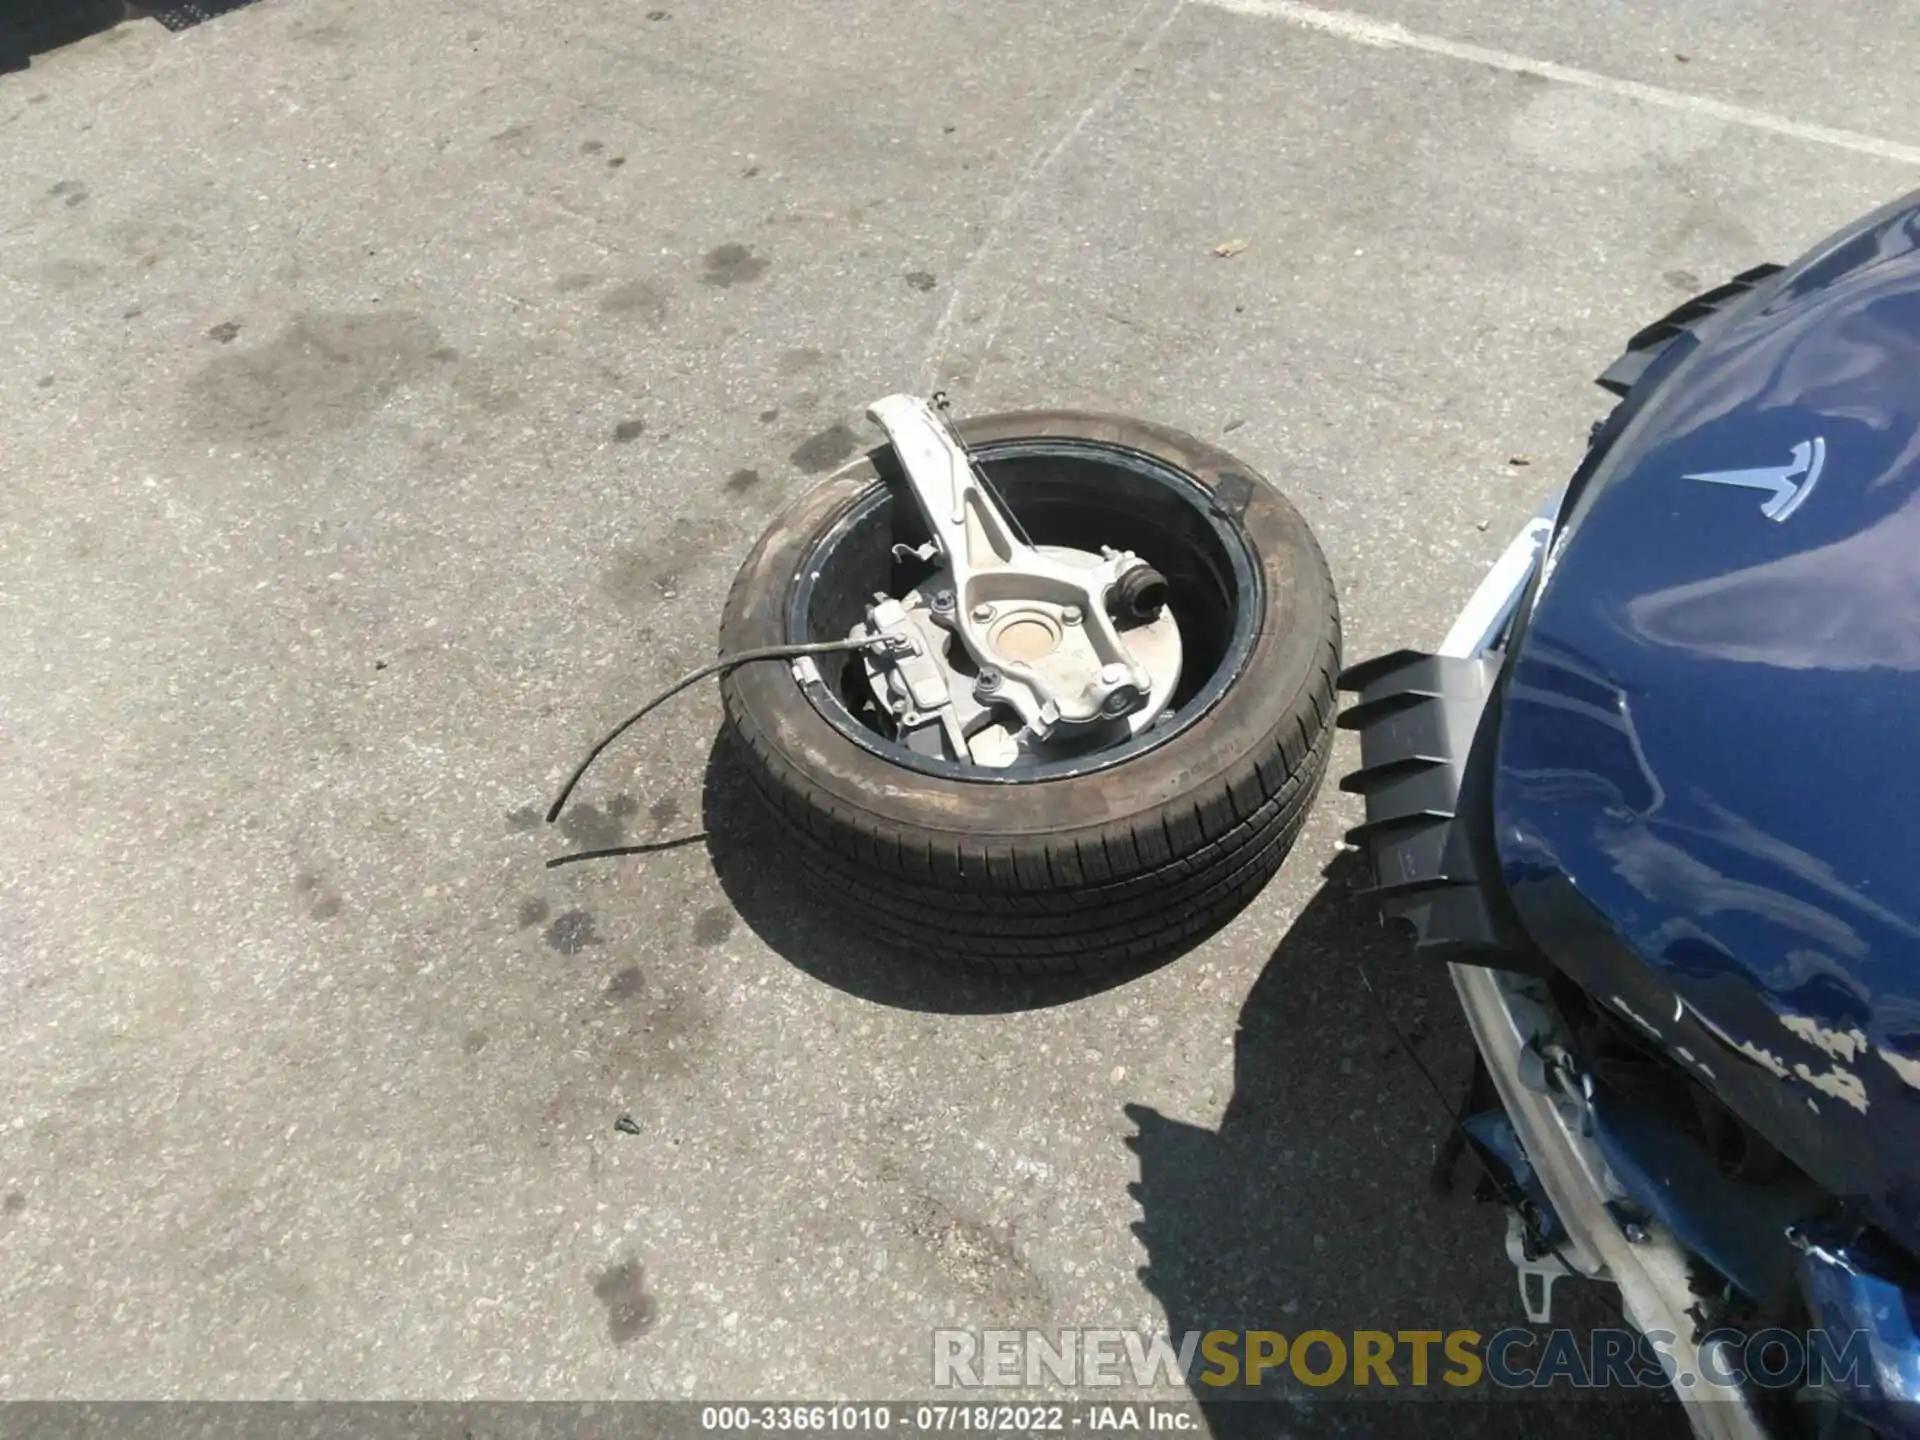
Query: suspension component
(1042, 618)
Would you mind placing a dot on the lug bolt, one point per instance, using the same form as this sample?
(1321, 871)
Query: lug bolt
(989, 680)
(1117, 702)
(983, 613)
(1071, 615)
(943, 599)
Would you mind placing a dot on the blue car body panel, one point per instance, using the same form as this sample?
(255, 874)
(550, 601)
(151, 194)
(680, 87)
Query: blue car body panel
(1850, 1298)
(1707, 782)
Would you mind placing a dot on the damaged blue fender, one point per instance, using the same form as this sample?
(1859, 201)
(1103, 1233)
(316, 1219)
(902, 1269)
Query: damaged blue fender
(1707, 775)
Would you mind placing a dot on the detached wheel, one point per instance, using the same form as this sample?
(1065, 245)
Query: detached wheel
(1136, 844)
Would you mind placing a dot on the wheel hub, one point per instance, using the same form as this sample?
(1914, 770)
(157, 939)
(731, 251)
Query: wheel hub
(1012, 648)
(944, 704)
(1035, 622)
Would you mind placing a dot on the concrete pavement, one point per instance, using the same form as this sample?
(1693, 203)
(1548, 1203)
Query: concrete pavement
(391, 391)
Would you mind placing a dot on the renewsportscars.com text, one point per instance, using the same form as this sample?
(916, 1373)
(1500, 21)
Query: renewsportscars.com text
(1514, 1358)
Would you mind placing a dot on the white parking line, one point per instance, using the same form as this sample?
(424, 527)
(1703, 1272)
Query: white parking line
(1118, 71)
(1385, 34)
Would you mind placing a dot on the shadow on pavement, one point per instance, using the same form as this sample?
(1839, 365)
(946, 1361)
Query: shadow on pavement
(33, 27)
(1314, 1204)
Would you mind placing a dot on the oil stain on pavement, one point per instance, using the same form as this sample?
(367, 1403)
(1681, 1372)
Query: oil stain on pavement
(321, 372)
(572, 932)
(820, 453)
(631, 1310)
(731, 264)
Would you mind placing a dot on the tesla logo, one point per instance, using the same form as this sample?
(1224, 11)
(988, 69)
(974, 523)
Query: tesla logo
(1787, 485)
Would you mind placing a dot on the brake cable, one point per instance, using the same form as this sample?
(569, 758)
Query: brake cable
(718, 667)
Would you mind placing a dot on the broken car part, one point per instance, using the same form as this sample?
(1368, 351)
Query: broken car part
(1652, 802)
(1105, 707)
(1009, 648)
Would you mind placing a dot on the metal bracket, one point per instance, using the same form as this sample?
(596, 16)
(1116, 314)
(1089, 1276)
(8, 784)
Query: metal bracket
(911, 681)
(1034, 621)
(1537, 1273)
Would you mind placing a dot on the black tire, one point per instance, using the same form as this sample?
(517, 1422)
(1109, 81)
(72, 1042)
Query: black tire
(1125, 864)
